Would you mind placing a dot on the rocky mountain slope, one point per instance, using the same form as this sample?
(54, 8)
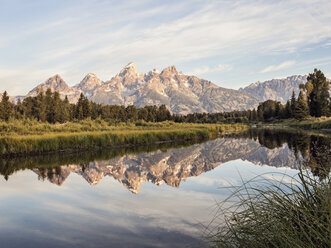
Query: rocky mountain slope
(275, 89)
(182, 94)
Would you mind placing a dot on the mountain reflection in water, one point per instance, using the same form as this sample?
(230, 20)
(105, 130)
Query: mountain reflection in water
(162, 163)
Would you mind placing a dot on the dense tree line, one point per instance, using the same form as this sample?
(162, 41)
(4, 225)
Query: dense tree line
(313, 100)
(49, 107)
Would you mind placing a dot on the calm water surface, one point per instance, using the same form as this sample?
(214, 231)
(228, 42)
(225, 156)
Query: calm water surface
(161, 196)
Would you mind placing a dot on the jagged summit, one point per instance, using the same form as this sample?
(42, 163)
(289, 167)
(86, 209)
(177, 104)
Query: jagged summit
(55, 83)
(89, 83)
(129, 68)
(276, 89)
(90, 74)
(130, 74)
(56, 80)
(169, 70)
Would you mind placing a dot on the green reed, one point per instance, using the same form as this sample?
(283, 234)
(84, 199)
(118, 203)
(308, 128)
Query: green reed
(33, 137)
(264, 213)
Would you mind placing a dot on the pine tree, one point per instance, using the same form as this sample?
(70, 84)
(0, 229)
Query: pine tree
(65, 110)
(317, 88)
(40, 107)
(86, 108)
(50, 108)
(142, 114)
(254, 115)
(58, 108)
(5, 107)
(277, 109)
(79, 107)
(96, 110)
(152, 110)
(288, 110)
(260, 113)
(293, 104)
(132, 112)
(19, 110)
(301, 108)
(163, 114)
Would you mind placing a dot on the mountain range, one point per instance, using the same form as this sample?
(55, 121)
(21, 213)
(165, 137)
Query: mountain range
(181, 93)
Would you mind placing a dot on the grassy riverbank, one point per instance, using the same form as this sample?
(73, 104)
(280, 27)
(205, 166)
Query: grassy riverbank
(31, 137)
(311, 123)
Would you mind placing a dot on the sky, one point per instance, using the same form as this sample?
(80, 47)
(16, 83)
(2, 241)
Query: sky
(231, 43)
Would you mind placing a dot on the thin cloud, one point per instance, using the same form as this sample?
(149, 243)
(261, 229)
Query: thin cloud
(279, 67)
(157, 36)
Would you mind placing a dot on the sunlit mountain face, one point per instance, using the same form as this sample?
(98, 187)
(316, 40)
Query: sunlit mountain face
(172, 164)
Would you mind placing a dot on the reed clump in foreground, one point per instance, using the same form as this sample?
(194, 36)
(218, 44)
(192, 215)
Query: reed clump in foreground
(282, 214)
(30, 137)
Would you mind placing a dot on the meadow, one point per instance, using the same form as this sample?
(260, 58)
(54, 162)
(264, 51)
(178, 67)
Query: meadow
(314, 123)
(19, 137)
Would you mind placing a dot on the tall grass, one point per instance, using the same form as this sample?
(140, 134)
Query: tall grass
(282, 214)
(33, 127)
(31, 137)
(309, 123)
(317, 123)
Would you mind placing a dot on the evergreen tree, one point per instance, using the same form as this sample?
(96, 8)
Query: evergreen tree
(254, 115)
(278, 109)
(86, 108)
(40, 106)
(293, 104)
(62, 110)
(82, 108)
(288, 110)
(96, 110)
(317, 88)
(19, 110)
(142, 114)
(301, 108)
(163, 114)
(5, 107)
(50, 108)
(58, 108)
(260, 113)
(131, 113)
(152, 110)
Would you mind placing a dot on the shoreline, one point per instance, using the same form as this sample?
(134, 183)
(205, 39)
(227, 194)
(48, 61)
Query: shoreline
(21, 145)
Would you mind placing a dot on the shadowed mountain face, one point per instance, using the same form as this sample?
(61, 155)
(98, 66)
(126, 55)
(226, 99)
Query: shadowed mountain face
(172, 166)
(182, 94)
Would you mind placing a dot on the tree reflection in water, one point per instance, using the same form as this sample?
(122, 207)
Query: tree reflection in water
(173, 162)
